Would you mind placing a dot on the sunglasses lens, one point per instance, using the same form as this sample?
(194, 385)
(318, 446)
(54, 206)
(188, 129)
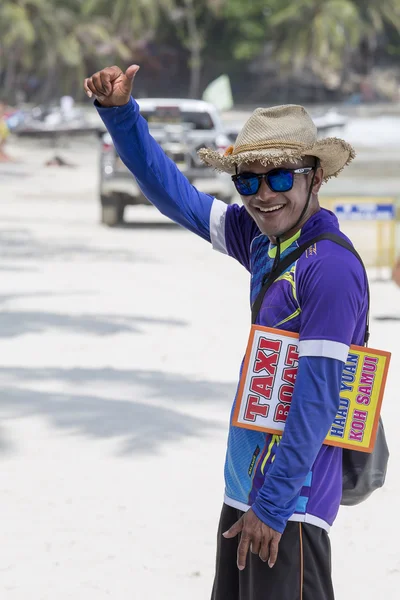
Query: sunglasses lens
(280, 180)
(247, 186)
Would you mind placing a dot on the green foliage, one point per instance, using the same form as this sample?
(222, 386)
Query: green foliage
(321, 31)
(249, 25)
(59, 41)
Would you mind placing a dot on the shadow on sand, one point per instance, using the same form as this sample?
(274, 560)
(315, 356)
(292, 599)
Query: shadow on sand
(21, 322)
(142, 424)
(19, 245)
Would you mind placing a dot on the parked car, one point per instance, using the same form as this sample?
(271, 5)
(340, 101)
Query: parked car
(181, 127)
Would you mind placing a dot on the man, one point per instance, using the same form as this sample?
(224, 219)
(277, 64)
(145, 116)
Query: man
(282, 494)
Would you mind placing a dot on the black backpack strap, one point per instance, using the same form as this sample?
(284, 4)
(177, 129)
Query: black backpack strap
(284, 264)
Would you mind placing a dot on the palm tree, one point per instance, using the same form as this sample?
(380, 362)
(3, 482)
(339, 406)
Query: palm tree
(138, 20)
(31, 35)
(52, 41)
(134, 20)
(17, 33)
(375, 16)
(326, 34)
(316, 33)
(193, 20)
(87, 39)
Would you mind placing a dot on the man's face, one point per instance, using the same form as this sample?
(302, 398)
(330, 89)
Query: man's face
(286, 206)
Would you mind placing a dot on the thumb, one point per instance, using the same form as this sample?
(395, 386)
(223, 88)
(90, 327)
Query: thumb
(131, 71)
(234, 530)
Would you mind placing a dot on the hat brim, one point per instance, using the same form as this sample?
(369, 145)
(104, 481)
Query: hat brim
(334, 155)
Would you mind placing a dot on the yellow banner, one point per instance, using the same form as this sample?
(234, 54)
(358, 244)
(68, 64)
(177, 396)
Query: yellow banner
(268, 380)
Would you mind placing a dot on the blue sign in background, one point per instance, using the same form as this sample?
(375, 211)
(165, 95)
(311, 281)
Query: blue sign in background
(369, 212)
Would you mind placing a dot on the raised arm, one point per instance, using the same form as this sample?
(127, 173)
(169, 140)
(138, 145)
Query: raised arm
(158, 177)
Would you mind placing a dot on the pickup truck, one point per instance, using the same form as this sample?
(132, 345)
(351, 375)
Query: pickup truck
(181, 127)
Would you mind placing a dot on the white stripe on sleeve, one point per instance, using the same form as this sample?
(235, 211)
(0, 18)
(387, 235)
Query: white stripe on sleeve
(324, 348)
(217, 225)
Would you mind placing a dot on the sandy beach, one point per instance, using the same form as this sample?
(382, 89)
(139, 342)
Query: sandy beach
(120, 351)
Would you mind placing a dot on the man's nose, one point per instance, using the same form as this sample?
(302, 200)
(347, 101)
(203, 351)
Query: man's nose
(265, 192)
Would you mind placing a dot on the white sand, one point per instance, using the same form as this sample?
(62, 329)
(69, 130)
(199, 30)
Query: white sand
(119, 356)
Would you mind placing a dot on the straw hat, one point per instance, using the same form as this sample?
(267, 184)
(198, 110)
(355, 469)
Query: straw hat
(279, 134)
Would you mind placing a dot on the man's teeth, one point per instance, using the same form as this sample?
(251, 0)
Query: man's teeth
(277, 207)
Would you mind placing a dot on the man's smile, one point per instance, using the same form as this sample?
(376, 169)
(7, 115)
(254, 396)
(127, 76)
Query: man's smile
(269, 209)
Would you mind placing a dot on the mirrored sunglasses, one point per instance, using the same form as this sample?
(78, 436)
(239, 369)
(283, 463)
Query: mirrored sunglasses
(278, 180)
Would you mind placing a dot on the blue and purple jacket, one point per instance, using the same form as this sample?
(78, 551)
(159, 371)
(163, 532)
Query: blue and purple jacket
(322, 296)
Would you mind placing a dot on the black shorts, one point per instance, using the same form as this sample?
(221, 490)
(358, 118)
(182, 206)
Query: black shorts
(302, 571)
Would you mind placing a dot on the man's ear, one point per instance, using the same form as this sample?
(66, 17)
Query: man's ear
(318, 180)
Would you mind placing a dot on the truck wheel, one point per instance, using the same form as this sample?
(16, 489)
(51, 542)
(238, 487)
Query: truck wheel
(112, 214)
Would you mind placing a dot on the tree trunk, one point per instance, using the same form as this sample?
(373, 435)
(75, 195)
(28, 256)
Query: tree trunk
(10, 76)
(195, 47)
(48, 89)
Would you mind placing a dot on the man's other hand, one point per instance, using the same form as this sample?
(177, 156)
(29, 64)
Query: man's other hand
(111, 86)
(257, 537)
